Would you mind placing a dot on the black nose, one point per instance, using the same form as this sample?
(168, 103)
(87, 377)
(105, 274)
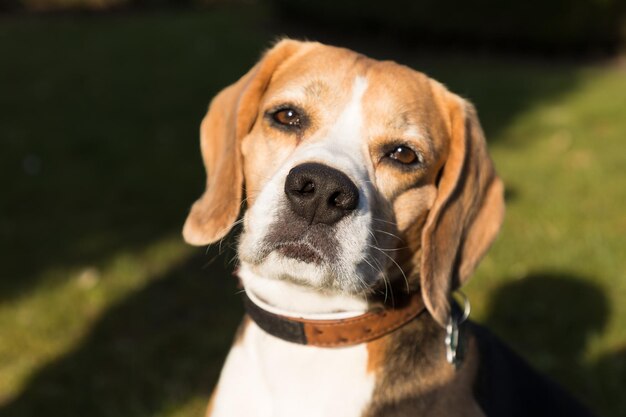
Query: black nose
(320, 194)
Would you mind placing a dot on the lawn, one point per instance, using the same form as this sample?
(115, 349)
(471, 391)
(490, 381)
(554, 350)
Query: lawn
(104, 311)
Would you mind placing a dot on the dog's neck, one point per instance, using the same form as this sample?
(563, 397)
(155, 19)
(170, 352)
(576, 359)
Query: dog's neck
(292, 300)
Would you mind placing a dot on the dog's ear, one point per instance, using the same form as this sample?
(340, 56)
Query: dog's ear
(231, 115)
(467, 212)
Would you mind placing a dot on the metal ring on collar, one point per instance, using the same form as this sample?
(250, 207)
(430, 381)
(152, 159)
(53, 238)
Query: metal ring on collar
(452, 333)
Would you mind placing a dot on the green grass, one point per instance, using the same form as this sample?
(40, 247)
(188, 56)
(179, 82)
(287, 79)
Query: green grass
(105, 312)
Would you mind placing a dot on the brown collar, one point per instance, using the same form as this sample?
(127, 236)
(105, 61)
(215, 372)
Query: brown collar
(336, 333)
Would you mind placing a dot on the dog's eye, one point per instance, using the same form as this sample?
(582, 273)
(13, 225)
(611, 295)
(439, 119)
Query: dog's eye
(403, 155)
(287, 117)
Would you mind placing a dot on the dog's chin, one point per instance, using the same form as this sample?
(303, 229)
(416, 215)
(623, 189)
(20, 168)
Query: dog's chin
(294, 294)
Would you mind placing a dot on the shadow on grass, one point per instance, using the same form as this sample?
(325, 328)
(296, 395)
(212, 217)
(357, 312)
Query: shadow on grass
(99, 126)
(152, 351)
(550, 318)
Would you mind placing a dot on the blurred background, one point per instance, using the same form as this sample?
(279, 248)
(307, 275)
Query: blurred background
(104, 311)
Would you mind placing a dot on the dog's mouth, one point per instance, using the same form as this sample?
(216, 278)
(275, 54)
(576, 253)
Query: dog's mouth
(301, 251)
(350, 256)
(315, 244)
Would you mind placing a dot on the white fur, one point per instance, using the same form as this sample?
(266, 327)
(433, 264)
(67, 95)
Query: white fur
(268, 377)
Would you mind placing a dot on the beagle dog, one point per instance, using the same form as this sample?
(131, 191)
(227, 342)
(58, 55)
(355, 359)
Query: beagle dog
(370, 198)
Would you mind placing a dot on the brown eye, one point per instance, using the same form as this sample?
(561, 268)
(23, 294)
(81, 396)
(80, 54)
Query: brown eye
(287, 117)
(403, 155)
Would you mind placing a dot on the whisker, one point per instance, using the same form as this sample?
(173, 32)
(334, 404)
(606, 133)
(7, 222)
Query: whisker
(388, 286)
(390, 234)
(406, 280)
(373, 236)
(233, 260)
(226, 235)
(389, 250)
(383, 221)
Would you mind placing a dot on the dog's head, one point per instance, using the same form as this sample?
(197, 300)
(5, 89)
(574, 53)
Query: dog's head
(358, 173)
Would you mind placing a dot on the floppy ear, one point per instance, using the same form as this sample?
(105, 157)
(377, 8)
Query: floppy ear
(467, 212)
(231, 115)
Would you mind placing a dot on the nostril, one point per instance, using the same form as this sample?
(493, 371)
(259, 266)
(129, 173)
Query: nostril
(307, 188)
(344, 200)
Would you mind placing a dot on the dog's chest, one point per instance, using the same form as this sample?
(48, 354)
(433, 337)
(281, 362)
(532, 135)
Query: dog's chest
(265, 376)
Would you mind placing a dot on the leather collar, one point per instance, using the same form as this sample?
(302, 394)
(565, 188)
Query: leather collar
(337, 332)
